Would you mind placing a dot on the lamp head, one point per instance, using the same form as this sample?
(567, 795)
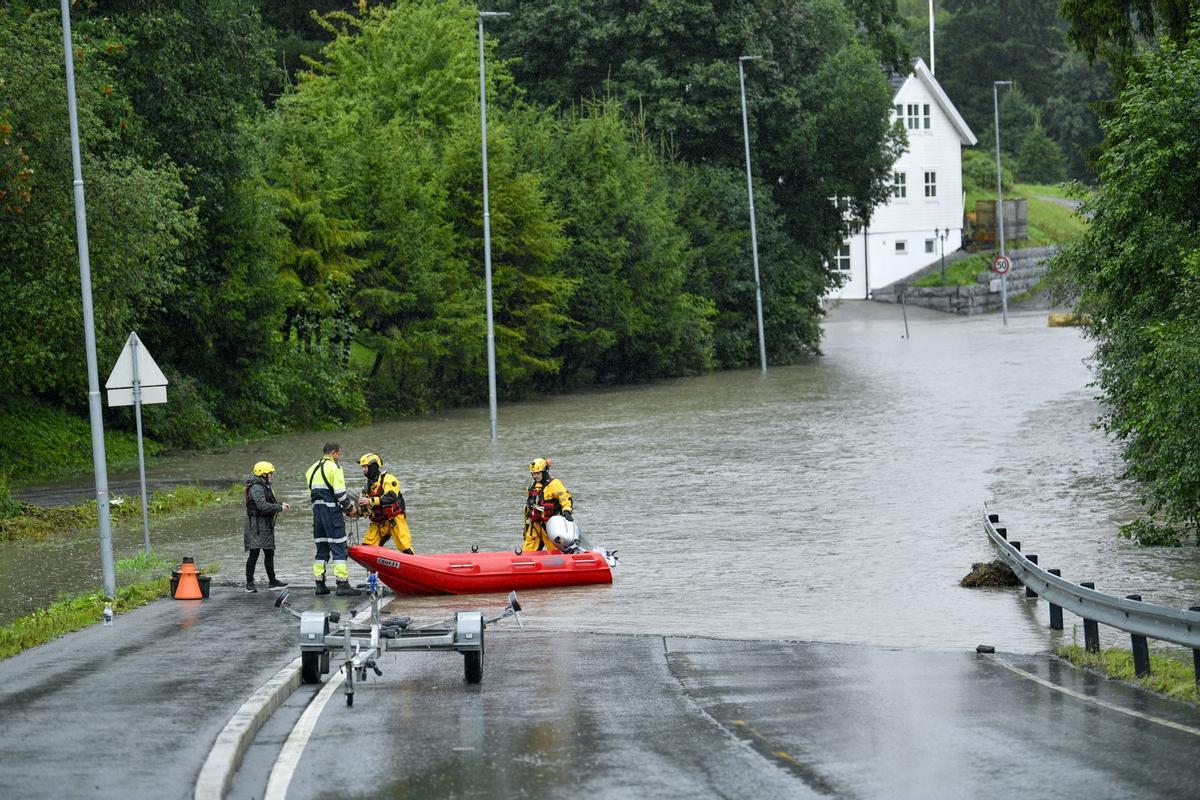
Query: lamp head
(494, 14)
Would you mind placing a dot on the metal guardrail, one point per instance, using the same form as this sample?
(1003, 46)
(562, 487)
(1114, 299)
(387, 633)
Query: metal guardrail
(1130, 614)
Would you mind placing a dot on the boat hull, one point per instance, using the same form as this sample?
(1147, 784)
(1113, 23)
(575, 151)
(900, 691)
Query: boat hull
(469, 573)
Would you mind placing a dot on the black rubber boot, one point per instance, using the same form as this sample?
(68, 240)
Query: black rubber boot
(321, 587)
(344, 589)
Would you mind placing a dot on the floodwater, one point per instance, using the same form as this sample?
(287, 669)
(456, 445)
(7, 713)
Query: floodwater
(836, 501)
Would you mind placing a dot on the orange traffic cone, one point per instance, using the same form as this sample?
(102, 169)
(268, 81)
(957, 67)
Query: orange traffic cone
(188, 587)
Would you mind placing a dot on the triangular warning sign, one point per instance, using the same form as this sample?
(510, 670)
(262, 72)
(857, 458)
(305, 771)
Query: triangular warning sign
(148, 373)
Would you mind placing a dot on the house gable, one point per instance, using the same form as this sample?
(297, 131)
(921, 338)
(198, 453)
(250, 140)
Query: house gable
(921, 73)
(924, 217)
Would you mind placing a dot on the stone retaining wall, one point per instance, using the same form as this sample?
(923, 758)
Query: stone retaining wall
(1028, 268)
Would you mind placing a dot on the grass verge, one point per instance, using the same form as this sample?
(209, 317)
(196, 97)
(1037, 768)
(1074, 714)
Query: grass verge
(1170, 674)
(960, 273)
(1050, 223)
(63, 443)
(27, 521)
(74, 613)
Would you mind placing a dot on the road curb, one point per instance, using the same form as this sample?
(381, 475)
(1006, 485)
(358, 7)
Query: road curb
(216, 776)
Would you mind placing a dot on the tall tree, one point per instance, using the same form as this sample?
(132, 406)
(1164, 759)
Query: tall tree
(197, 70)
(818, 101)
(1114, 28)
(1137, 269)
(992, 40)
(140, 223)
(391, 109)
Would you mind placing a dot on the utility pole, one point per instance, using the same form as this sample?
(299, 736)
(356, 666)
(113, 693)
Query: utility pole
(99, 465)
(487, 231)
(1000, 194)
(762, 342)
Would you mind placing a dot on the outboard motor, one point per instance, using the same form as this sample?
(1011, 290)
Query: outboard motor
(563, 533)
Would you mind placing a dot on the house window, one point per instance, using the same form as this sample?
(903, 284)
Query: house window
(929, 245)
(901, 247)
(914, 116)
(930, 184)
(842, 262)
(899, 111)
(925, 116)
(900, 185)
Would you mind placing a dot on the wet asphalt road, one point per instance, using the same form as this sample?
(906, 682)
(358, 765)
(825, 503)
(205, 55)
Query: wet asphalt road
(133, 710)
(592, 715)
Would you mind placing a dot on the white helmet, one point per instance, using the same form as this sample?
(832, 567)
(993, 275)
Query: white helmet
(562, 532)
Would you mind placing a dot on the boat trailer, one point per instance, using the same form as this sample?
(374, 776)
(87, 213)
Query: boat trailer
(325, 632)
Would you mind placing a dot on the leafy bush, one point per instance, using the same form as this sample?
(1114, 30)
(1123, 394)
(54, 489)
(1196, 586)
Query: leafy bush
(185, 421)
(47, 443)
(979, 172)
(9, 507)
(1138, 269)
(1039, 159)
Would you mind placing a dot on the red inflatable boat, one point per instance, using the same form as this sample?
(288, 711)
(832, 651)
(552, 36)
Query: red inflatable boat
(466, 573)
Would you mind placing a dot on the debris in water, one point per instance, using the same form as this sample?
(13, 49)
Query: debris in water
(994, 573)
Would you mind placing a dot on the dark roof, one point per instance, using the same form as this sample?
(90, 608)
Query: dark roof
(897, 80)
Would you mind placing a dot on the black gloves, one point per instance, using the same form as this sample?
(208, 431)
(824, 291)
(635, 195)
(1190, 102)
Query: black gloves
(567, 516)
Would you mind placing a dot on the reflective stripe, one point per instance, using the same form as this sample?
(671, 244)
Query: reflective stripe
(325, 503)
(319, 539)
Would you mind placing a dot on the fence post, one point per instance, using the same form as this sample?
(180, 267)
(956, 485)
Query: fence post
(1091, 630)
(1056, 621)
(1141, 650)
(1195, 653)
(1030, 592)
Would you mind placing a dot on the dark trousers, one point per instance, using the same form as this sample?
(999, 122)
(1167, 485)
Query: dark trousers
(268, 562)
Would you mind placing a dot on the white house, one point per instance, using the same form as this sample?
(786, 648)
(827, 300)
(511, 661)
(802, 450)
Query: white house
(925, 213)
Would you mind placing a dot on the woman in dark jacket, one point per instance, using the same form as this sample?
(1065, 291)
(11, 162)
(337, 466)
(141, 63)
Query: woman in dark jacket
(261, 509)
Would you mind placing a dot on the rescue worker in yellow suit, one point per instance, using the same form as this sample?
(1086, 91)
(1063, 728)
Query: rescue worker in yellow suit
(383, 504)
(547, 497)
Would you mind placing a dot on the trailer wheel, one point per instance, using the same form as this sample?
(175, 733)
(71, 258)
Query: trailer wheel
(310, 666)
(473, 666)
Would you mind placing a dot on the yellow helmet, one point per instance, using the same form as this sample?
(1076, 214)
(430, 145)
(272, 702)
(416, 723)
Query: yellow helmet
(539, 465)
(370, 458)
(263, 468)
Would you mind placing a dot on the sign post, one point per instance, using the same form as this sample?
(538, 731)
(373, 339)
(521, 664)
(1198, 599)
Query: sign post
(135, 380)
(1001, 265)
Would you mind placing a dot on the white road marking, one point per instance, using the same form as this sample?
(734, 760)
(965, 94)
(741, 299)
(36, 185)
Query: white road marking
(1110, 706)
(293, 748)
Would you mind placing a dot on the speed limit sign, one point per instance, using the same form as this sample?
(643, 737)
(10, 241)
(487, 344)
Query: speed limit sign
(1001, 265)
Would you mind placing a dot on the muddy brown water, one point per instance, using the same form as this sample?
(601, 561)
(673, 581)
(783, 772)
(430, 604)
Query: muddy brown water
(833, 501)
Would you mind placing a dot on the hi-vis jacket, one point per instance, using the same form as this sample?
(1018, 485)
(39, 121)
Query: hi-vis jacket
(327, 484)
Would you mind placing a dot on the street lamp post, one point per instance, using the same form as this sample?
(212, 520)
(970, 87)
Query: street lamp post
(762, 342)
(99, 466)
(1000, 194)
(942, 234)
(487, 230)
